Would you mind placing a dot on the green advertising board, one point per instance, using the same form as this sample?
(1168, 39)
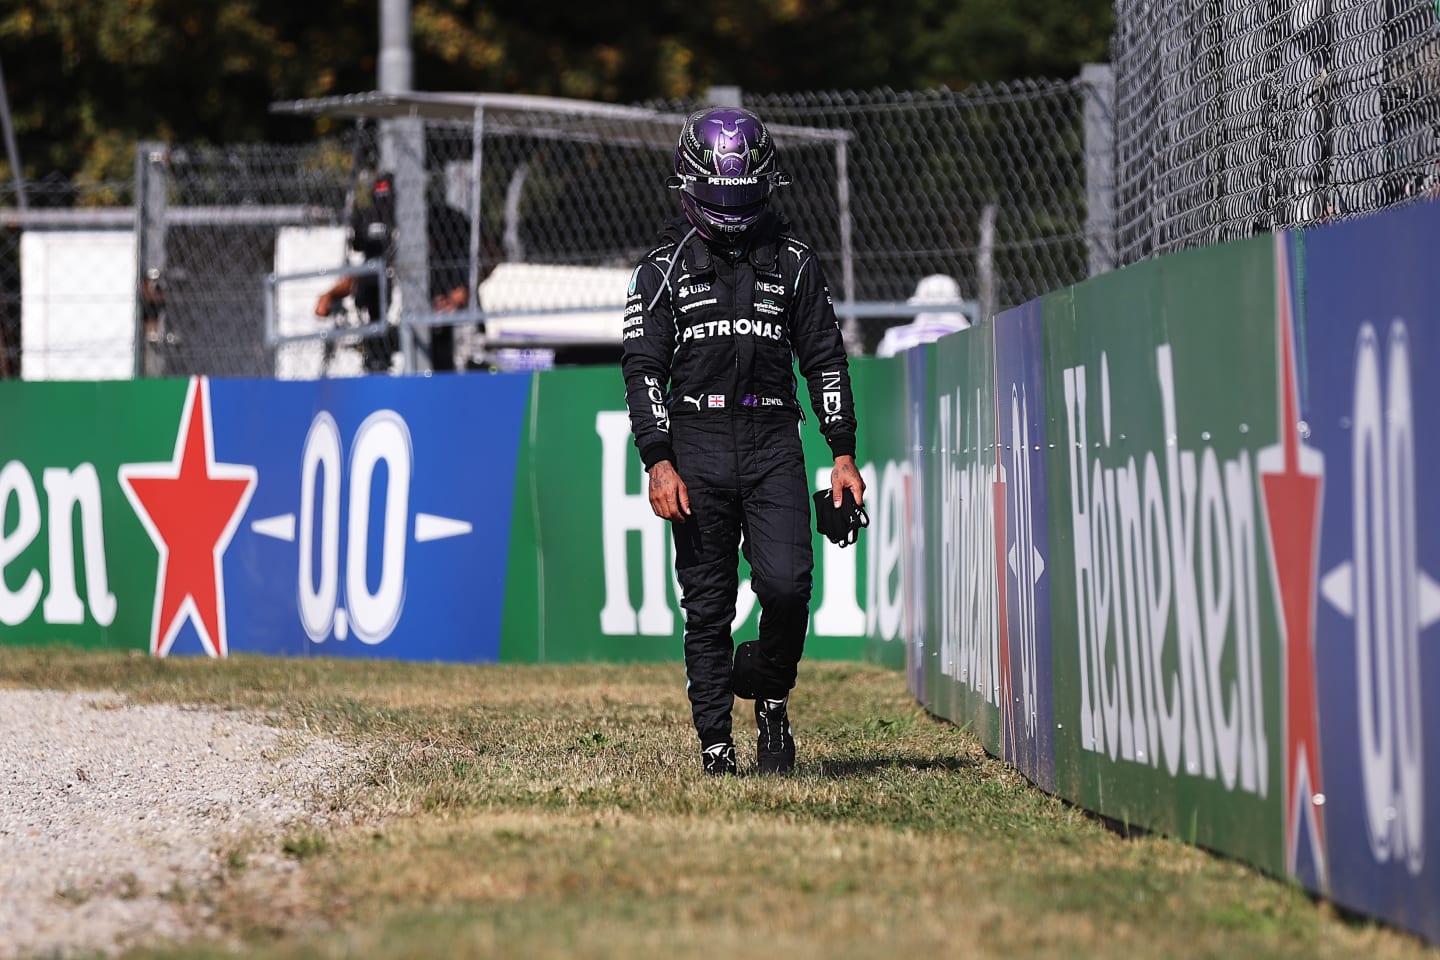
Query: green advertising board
(591, 569)
(963, 607)
(74, 559)
(1162, 589)
(880, 389)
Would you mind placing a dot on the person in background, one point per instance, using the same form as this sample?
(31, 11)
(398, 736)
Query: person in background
(714, 316)
(372, 236)
(937, 289)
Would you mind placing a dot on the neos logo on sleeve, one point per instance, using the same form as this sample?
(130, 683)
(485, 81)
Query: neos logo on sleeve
(830, 393)
(657, 403)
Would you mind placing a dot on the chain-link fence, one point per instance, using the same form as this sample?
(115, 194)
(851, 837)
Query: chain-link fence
(987, 186)
(1236, 117)
(210, 224)
(324, 259)
(365, 253)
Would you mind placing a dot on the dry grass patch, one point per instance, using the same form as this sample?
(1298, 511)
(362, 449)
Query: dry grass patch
(559, 811)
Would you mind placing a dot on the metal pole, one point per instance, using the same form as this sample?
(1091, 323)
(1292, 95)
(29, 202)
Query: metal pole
(1097, 84)
(724, 96)
(985, 262)
(151, 202)
(402, 150)
(394, 72)
(412, 245)
(395, 68)
(850, 328)
(12, 152)
(477, 139)
(514, 249)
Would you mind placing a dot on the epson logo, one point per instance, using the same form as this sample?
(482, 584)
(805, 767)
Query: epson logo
(732, 181)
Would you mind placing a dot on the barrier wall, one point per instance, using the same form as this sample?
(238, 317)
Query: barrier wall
(1178, 554)
(464, 518)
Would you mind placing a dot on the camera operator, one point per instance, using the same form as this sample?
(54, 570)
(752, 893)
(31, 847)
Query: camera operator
(372, 231)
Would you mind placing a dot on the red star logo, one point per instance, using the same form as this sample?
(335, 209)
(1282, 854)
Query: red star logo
(1002, 609)
(190, 507)
(1292, 477)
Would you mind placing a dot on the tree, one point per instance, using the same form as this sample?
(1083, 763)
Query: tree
(88, 78)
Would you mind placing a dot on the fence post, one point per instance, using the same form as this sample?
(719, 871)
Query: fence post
(12, 153)
(412, 254)
(152, 198)
(1097, 85)
(985, 263)
(723, 96)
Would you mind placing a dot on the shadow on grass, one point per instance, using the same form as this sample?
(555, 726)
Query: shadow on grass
(840, 769)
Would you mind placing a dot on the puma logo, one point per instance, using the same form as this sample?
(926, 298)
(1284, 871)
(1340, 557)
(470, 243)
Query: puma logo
(694, 400)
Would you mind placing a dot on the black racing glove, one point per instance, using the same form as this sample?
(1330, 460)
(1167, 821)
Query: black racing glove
(840, 524)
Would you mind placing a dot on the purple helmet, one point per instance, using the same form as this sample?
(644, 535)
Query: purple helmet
(725, 170)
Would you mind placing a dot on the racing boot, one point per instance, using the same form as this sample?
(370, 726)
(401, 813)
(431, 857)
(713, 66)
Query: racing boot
(719, 759)
(775, 746)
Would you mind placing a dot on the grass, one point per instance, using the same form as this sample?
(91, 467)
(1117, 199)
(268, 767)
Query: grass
(559, 812)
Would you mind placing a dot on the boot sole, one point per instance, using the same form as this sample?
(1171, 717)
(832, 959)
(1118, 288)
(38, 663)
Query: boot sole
(775, 763)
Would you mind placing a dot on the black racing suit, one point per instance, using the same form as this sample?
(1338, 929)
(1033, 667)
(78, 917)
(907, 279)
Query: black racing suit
(709, 334)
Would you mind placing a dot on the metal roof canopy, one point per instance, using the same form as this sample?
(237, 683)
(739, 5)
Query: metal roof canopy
(564, 118)
(516, 112)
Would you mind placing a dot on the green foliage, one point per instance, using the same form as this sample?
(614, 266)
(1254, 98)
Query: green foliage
(88, 78)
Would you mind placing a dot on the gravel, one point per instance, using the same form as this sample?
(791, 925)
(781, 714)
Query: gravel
(113, 816)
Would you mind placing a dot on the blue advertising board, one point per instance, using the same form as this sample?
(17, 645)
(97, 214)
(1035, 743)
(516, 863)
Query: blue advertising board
(380, 516)
(1370, 411)
(1027, 707)
(919, 361)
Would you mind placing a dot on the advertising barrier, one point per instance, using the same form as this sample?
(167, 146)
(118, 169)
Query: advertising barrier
(1202, 572)
(1023, 537)
(457, 518)
(962, 482)
(1162, 581)
(592, 576)
(1368, 398)
(880, 549)
(201, 516)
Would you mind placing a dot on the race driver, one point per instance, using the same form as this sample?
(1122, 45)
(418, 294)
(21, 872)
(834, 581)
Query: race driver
(715, 318)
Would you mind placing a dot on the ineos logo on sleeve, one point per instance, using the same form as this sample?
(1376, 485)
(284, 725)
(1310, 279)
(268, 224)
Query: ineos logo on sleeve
(658, 410)
(830, 392)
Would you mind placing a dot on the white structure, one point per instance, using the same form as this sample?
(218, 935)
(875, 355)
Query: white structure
(77, 304)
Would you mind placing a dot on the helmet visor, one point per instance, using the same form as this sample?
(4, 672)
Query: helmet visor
(715, 190)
